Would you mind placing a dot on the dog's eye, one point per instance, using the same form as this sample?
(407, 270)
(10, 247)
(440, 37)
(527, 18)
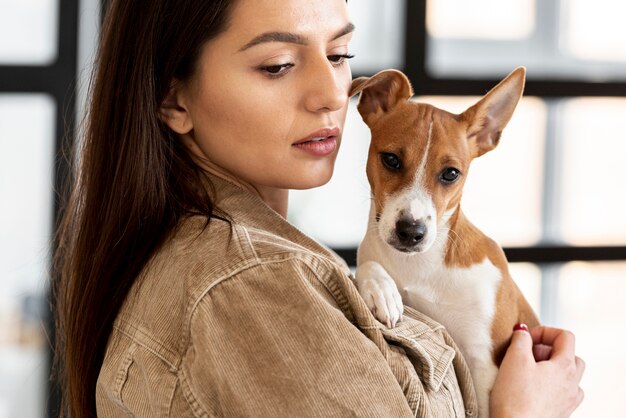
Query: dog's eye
(449, 175)
(391, 161)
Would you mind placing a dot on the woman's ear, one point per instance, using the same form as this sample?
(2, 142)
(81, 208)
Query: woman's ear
(173, 110)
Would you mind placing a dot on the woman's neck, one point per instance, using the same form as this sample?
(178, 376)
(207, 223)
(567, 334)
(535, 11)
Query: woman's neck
(277, 199)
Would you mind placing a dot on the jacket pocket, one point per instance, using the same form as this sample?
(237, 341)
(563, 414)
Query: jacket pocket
(423, 364)
(425, 348)
(143, 386)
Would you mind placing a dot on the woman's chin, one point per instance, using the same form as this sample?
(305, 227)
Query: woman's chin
(311, 180)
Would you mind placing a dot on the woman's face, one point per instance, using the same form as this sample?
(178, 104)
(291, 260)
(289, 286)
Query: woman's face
(268, 100)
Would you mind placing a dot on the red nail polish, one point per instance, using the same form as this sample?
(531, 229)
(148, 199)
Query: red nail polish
(521, 327)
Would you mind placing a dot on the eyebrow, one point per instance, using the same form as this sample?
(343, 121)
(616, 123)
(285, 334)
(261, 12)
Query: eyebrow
(292, 38)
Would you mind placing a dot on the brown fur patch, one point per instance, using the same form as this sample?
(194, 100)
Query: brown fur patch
(511, 306)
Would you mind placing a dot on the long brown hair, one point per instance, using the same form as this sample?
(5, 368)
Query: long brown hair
(134, 180)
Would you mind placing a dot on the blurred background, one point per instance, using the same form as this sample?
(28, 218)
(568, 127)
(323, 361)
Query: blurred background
(552, 193)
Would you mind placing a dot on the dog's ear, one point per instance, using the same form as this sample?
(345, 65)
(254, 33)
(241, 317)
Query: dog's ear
(357, 85)
(487, 118)
(380, 93)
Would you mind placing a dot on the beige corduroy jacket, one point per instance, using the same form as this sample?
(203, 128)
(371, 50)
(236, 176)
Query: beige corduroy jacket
(256, 319)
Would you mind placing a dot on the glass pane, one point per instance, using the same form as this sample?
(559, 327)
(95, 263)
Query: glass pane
(500, 201)
(378, 40)
(591, 304)
(28, 31)
(336, 213)
(593, 201)
(594, 30)
(480, 19)
(27, 131)
(575, 39)
(527, 276)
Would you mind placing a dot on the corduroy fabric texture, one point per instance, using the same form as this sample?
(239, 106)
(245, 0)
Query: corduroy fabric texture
(255, 319)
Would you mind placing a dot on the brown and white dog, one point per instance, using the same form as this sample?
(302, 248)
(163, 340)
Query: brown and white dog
(420, 249)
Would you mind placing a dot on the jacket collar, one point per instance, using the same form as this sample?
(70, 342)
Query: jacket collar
(249, 210)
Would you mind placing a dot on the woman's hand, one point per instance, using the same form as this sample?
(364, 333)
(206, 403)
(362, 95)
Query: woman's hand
(539, 376)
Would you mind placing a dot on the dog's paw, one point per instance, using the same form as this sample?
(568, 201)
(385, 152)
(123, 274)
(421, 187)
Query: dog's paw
(380, 293)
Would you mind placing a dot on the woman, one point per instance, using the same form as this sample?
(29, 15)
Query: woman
(183, 291)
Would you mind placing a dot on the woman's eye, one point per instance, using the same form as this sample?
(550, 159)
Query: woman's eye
(391, 161)
(449, 175)
(276, 70)
(339, 59)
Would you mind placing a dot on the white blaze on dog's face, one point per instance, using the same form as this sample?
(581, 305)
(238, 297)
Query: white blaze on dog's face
(419, 155)
(416, 166)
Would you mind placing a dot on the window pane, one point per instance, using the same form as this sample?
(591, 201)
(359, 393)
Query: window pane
(337, 213)
(527, 276)
(28, 31)
(26, 157)
(378, 40)
(594, 30)
(591, 304)
(480, 19)
(593, 201)
(575, 39)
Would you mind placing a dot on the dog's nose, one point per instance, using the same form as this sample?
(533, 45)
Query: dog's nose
(410, 232)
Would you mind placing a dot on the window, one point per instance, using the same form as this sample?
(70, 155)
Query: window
(28, 32)
(553, 185)
(552, 192)
(592, 202)
(26, 150)
(37, 77)
(572, 39)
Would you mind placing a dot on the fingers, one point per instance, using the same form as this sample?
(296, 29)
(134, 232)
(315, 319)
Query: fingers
(578, 374)
(561, 341)
(542, 352)
(580, 368)
(522, 338)
(551, 385)
(558, 345)
(521, 346)
(579, 397)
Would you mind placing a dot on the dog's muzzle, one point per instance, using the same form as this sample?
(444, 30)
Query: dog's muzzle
(409, 234)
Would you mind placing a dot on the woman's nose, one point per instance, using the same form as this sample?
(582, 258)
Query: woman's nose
(327, 87)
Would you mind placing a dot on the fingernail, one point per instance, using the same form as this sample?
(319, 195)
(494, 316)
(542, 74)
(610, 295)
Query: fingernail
(521, 327)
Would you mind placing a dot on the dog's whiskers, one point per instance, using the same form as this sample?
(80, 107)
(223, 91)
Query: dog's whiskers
(454, 238)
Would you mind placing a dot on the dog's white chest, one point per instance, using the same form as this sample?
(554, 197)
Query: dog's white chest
(461, 299)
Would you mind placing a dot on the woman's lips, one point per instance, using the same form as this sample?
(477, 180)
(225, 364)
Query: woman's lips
(319, 143)
(319, 147)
